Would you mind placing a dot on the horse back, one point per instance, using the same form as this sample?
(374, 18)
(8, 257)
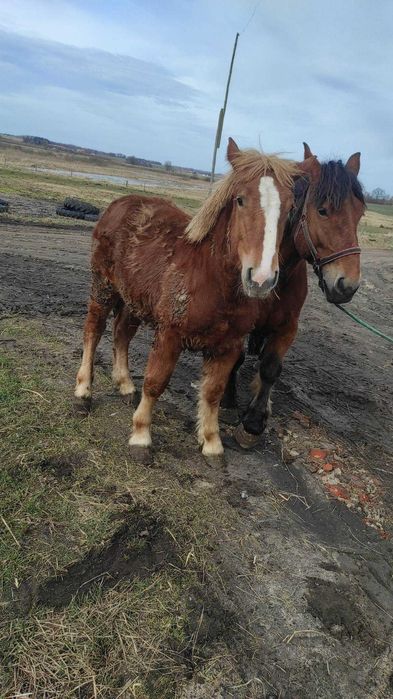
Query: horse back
(131, 225)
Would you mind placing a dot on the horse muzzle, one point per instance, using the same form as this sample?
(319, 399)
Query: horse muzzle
(341, 291)
(256, 290)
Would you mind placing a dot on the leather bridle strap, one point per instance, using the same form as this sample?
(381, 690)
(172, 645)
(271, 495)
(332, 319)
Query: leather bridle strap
(309, 251)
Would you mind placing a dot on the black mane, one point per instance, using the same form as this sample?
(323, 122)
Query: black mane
(335, 184)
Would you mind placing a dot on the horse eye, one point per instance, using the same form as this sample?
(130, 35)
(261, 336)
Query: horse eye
(323, 212)
(239, 201)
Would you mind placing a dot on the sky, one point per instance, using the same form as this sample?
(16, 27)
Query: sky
(147, 77)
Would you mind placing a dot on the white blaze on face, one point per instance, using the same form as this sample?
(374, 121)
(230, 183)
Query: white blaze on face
(270, 203)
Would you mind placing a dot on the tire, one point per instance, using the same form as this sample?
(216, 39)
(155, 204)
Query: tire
(82, 206)
(61, 211)
(91, 217)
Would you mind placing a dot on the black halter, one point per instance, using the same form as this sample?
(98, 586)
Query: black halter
(310, 254)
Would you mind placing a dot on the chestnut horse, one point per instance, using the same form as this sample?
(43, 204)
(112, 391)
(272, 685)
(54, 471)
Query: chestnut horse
(322, 230)
(197, 281)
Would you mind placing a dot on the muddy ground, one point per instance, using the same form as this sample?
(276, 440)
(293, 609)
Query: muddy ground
(312, 581)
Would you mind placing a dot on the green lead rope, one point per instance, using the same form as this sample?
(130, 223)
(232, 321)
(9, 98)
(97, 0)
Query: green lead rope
(364, 324)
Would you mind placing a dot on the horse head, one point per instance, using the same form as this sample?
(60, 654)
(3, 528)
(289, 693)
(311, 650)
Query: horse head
(262, 196)
(326, 235)
(252, 202)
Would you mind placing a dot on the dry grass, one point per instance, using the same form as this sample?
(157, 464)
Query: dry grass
(141, 637)
(376, 229)
(123, 642)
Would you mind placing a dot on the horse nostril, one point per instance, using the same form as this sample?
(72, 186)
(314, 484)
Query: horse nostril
(344, 288)
(248, 275)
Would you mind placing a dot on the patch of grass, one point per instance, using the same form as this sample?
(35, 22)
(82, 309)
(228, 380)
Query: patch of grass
(54, 221)
(56, 188)
(375, 236)
(122, 642)
(384, 209)
(142, 637)
(32, 501)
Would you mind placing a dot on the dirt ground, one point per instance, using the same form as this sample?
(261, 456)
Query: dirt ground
(306, 602)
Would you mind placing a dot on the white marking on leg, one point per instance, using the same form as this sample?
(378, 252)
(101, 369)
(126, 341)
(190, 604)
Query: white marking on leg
(141, 422)
(208, 430)
(120, 374)
(84, 377)
(270, 203)
(122, 380)
(140, 438)
(82, 390)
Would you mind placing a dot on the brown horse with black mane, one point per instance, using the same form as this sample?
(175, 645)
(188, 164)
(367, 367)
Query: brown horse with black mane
(322, 230)
(197, 281)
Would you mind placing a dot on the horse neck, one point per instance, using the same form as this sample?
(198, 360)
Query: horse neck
(289, 256)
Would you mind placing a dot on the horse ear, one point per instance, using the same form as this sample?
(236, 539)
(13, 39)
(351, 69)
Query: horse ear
(307, 151)
(311, 167)
(232, 150)
(353, 163)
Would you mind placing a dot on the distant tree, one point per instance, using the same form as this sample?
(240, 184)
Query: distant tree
(168, 166)
(36, 140)
(378, 193)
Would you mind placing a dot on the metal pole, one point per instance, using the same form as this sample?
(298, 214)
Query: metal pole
(221, 115)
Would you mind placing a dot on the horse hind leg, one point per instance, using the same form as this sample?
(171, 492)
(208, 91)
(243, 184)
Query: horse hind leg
(102, 300)
(228, 401)
(124, 328)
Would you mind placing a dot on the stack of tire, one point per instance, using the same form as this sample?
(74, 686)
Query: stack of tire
(4, 206)
(75, 208)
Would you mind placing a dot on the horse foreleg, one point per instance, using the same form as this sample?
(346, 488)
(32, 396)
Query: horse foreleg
(94, 327)
(216, 371)
(255, 419)
(160, 365)
(124, 328)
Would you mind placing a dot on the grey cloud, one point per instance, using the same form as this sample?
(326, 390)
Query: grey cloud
(332, 81)
(25, 61)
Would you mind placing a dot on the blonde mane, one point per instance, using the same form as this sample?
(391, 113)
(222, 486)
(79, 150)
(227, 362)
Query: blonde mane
(247, 165)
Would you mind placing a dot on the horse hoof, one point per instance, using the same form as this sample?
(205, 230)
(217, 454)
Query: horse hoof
(82, 406)
(215, 460)
(142, 455)
(229, 416)
(129, 399)
(244, 439)
(132, 399)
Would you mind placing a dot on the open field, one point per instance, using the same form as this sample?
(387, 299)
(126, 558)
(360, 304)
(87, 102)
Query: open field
(376, 227)
(269, 578)
(24, 173)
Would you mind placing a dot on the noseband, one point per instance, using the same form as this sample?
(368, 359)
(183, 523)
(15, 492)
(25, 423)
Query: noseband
(306, 248)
